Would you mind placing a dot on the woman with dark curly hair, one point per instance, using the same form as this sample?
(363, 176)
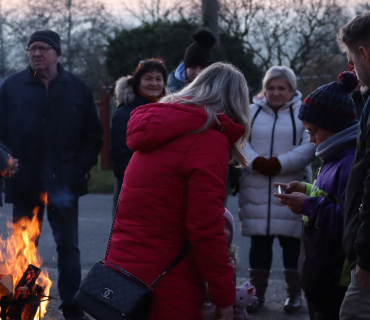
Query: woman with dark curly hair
(146, 85)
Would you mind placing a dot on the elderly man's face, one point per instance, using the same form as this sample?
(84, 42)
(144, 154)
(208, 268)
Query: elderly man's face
(42, 56)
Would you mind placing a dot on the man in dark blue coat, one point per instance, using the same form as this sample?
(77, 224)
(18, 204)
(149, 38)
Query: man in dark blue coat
(49, 121)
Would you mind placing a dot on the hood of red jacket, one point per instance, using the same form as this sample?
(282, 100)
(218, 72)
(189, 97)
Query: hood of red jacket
(155, 124)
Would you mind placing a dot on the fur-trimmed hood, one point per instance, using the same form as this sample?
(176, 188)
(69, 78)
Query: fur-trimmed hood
(124, 92)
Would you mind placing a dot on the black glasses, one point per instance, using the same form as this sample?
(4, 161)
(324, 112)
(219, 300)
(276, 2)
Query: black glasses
(312, 133)
(150, 60)
(32, 50)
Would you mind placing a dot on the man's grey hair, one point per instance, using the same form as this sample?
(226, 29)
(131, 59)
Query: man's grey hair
(280, 72)
(355, 33)
(220, 88)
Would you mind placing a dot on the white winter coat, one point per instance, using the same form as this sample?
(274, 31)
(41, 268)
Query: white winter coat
(280, 135)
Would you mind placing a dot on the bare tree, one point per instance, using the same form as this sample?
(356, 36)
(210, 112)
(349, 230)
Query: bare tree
(149, 11)
(296, 33)
(83, 27)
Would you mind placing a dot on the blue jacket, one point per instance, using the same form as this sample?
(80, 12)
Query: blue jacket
(177, 79)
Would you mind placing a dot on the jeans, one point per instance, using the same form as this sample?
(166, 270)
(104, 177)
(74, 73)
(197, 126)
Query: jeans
(64, 224)
(260, 254)
(356, 304)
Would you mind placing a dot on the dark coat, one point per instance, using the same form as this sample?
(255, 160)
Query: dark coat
(356, 235)
(54, 132)
(127, 101)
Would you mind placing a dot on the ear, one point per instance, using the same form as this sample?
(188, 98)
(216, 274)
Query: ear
(365, 54)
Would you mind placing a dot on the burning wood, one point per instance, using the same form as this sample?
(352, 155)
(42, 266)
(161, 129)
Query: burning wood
(20, 262)
(23, 304)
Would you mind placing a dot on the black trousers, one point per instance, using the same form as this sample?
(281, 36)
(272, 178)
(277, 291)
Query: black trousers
(260, 254)
(328, 306)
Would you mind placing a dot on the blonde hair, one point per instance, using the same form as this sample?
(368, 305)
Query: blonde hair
(280, 72)
(219, 88)
(233, 249)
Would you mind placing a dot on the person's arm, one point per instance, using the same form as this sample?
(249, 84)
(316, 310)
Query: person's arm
(3, 115)
(250, 154)
(362, 243)
(299, 157)
(121, 153)
(205, 168)
(92, 137)
(327, 215)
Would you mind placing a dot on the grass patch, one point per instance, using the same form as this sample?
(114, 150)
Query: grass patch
(101, 181)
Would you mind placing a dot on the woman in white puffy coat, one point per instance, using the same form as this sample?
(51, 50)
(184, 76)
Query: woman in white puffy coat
(278, 150)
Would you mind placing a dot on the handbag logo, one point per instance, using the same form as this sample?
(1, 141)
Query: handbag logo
(106, 294)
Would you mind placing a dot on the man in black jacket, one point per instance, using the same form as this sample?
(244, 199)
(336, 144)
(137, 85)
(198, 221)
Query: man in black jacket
(354, 39)
(49, 120)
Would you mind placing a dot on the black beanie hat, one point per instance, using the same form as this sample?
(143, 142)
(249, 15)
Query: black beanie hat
(331, 106)
(199, 52)
(47, 36)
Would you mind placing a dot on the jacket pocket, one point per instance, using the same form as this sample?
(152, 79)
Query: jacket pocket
(73, 173)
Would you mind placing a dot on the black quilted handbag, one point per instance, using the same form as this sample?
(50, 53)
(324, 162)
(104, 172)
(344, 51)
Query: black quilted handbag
(108, 294)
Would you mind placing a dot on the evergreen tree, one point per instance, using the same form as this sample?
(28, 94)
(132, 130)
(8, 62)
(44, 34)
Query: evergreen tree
(169, 40)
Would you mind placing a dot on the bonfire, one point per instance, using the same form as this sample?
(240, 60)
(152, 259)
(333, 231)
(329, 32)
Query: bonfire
(24, 285)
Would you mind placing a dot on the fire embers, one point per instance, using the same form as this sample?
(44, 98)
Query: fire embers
(20, 262)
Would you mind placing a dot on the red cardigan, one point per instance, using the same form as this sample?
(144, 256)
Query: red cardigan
(173, 190)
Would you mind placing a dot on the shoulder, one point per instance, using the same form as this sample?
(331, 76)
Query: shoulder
(348, 158)
(123, 113)
(254, 108)
(15, 78)
(76, 81)
(123, 91)
(173, 83)
(211, 142)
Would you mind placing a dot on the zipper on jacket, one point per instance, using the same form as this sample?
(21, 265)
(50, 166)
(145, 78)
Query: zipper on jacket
(270, 178)
(293, 124)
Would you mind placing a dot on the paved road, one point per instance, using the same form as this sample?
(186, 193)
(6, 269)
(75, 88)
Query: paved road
(95, 224)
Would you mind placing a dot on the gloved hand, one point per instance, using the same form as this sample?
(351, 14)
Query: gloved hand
(267, 167)
(273, 166)
(259, 164)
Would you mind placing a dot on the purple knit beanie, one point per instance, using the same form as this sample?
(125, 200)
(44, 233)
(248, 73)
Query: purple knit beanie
(230, 223)
(331, 106)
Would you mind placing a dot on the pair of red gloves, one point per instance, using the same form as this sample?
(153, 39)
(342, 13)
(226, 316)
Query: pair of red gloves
(267, 167)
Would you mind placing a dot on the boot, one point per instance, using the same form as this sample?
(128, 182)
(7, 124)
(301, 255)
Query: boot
(73, 313)
(259, 279)
(294, 300)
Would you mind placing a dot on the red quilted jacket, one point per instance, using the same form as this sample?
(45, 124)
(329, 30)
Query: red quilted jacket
(173, 190)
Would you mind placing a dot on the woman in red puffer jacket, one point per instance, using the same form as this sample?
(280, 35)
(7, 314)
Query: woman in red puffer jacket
(173, 191)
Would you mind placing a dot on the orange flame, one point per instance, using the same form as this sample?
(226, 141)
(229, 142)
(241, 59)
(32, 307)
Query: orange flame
(6, 172)
(19, 250)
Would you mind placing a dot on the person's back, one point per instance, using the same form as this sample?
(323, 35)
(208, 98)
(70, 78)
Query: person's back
(173, 191)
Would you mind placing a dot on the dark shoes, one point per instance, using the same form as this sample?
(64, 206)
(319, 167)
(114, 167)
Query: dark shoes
(293, 303)
(73, 313)
(255, 306)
